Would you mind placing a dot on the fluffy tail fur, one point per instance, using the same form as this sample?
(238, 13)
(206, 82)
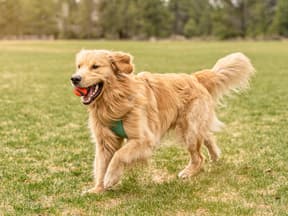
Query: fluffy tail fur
(232, 72)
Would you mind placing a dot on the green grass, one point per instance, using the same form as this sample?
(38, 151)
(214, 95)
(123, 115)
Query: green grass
(46, 154)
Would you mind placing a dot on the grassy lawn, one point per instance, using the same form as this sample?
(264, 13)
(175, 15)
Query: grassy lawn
(46, 154)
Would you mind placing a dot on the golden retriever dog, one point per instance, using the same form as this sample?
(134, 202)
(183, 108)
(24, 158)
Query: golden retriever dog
(148, 105)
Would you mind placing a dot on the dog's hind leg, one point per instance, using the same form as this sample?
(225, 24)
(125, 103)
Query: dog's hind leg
(213, 149)
(133, 151)
(196, 161)
(193, 125)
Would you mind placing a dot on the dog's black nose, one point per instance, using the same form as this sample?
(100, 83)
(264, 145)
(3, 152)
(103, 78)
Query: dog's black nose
(76, 79)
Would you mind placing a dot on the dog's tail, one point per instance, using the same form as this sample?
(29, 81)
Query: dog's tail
(231, 73)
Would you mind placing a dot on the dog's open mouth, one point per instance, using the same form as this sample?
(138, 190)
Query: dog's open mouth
(92, 93)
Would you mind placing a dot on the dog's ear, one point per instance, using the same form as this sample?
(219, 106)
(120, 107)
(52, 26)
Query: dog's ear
(123, 62)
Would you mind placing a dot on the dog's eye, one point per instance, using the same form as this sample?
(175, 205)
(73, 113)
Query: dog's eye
(95, 66)
(79, 66)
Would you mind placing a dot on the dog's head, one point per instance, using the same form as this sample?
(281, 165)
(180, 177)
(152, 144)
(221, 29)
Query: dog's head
(95, 69)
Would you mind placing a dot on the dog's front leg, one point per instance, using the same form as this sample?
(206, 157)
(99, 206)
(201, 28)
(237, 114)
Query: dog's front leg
(133, 151)
(103, 155)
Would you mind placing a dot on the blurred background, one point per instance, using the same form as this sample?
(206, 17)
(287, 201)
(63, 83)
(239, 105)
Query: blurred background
(141, 20)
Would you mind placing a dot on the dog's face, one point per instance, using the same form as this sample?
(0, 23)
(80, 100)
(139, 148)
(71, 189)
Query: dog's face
(95, 69)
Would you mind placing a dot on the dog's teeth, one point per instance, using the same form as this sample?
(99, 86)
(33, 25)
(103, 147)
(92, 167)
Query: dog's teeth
(96, 88)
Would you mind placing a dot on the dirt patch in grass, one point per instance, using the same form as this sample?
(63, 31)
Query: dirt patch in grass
(46, 201)
(56, 169)
(197, 212)
(161, 175)
(111, 203)
(217, 195)
(6, 209)
(73, 212)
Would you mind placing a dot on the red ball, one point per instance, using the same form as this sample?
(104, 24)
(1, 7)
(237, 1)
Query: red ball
(80, 91)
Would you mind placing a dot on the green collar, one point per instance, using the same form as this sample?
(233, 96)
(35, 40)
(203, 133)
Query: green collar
(118, 129)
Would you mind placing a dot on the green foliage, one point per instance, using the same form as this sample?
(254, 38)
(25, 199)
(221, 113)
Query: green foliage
(200, 20)
(228, 20)
(117, 19)
(191, 28)
(46, 154)
(135, 18)
(180, 14)
(10, 17)
(280, 22)
(39, 18)
(138, 19)
(156, 18)
(260, 20)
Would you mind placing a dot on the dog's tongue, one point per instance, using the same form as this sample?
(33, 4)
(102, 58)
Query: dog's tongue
(80, 91)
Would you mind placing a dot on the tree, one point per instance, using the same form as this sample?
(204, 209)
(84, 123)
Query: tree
(39, 18)
(261, 15)
(142, 19)
(180, 15)
(200, 20)
(126, 19)
(231, 18)
(85, 19)
(117, 18)
(280, 21)
(156, 19)
(10, 19)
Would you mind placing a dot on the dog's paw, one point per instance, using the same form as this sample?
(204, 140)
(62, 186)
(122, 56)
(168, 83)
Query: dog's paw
(215, 154)
(184, 174)
(94, 190)
(110, 180)
(188, 172)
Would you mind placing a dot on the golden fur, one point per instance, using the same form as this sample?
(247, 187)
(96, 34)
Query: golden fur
(150, 105)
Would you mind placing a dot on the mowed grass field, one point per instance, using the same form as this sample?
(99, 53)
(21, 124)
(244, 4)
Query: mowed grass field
(46, 154)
